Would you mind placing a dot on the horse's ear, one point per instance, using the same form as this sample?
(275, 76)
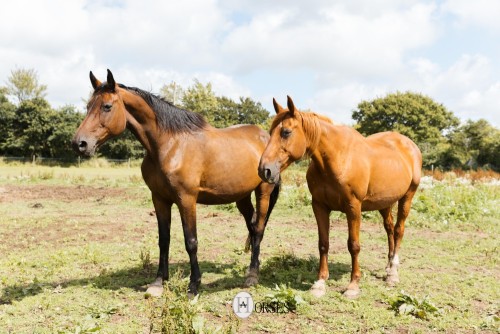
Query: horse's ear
(95, 83)
(290, 105)
(277, 107)
(111, 80)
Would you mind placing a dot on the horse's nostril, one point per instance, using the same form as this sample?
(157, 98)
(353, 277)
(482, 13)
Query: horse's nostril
(267, 173)
(82, 145)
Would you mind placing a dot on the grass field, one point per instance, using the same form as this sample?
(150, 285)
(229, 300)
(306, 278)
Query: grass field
(78, 246)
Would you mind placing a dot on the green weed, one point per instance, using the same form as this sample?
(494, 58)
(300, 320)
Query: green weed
(145, 258)
(284, 295)
(404, 303)
(181, 315)
(231, 207)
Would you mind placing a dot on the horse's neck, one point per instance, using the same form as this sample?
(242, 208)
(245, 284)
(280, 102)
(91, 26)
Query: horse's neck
(141, 121)
(331, 149)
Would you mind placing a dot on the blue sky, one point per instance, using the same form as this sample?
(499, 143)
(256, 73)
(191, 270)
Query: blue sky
(328, 55)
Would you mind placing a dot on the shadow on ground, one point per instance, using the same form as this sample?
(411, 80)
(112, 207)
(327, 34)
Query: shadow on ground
(283, 269)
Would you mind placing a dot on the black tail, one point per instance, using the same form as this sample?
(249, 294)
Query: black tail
(272, 201)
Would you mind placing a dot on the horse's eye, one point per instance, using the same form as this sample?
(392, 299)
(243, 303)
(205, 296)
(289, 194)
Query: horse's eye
(285, 133)
(107, 106)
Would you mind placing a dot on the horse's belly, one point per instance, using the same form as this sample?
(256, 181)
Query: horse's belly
(377, 199)
(210, 198)
(379, 204)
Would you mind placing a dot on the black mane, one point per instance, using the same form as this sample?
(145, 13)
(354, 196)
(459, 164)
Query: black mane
(169, 117)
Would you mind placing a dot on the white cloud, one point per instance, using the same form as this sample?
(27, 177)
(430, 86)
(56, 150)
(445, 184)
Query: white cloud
(333, 39)
(467, 87)
(328, 55)
(480, 13)
(338, 103)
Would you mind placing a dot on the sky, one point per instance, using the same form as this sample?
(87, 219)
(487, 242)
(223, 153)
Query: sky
(328, 55)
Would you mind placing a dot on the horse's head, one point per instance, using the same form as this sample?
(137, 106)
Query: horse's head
(106, 117)
(286, 145)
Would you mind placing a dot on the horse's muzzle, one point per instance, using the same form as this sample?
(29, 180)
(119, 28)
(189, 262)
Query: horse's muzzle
(83, 147)
(269, 173)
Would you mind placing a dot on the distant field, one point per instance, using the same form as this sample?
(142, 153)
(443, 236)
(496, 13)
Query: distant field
(78, 246)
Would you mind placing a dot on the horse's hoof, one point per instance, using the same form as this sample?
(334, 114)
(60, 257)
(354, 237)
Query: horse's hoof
(251, 281)
(155, 289)
(191, 295)
(193, 289)
(252, 278)
(351, 294)
(392, 280)
(318, 289)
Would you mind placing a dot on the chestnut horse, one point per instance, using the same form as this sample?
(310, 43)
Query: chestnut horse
(187, 162)
(347, 173)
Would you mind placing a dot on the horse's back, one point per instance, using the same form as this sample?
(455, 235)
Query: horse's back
(403, 146)
(249, 132)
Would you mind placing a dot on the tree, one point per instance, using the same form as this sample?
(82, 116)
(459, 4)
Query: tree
(124, 146)
(221, 111)
(7, 116)
(473, 144)
(200, 98)
(414, 115)
(24, 85)
(172, 93)
(483, 142)
(225, 115)
(32, 126)
(65, 122)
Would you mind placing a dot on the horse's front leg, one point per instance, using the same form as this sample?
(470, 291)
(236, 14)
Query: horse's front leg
(257, 228)
(187, 208)
(353, 214)
(322, 214)
(164, 216)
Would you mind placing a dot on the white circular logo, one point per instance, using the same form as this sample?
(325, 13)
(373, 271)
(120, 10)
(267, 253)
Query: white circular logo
(243, 304)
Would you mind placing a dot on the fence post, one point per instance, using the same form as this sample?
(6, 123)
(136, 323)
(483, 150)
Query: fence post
(78, 161)
(128, 162)
(432, 179)
(33, 162)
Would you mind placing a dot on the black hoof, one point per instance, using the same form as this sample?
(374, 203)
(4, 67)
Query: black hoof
(193, 289)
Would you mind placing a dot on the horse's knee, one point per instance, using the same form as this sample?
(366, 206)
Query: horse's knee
(192, 245)
(353, 246)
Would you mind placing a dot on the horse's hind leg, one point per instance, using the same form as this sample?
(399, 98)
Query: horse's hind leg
(187, 209)
(389, 229)
(404, 205)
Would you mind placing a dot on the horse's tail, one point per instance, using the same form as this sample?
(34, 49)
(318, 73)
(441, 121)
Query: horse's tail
(272, 201)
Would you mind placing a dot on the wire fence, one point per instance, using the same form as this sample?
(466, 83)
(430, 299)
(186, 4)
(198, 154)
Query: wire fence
(76, 161)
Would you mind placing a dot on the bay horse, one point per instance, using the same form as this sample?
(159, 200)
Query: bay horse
(348, 173)
(187, 162)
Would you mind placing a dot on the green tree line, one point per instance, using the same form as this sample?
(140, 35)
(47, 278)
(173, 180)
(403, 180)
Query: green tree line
(30, 126)
(444, 142)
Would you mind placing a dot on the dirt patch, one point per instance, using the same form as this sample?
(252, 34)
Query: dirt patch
(42, 224)
(10, 193)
